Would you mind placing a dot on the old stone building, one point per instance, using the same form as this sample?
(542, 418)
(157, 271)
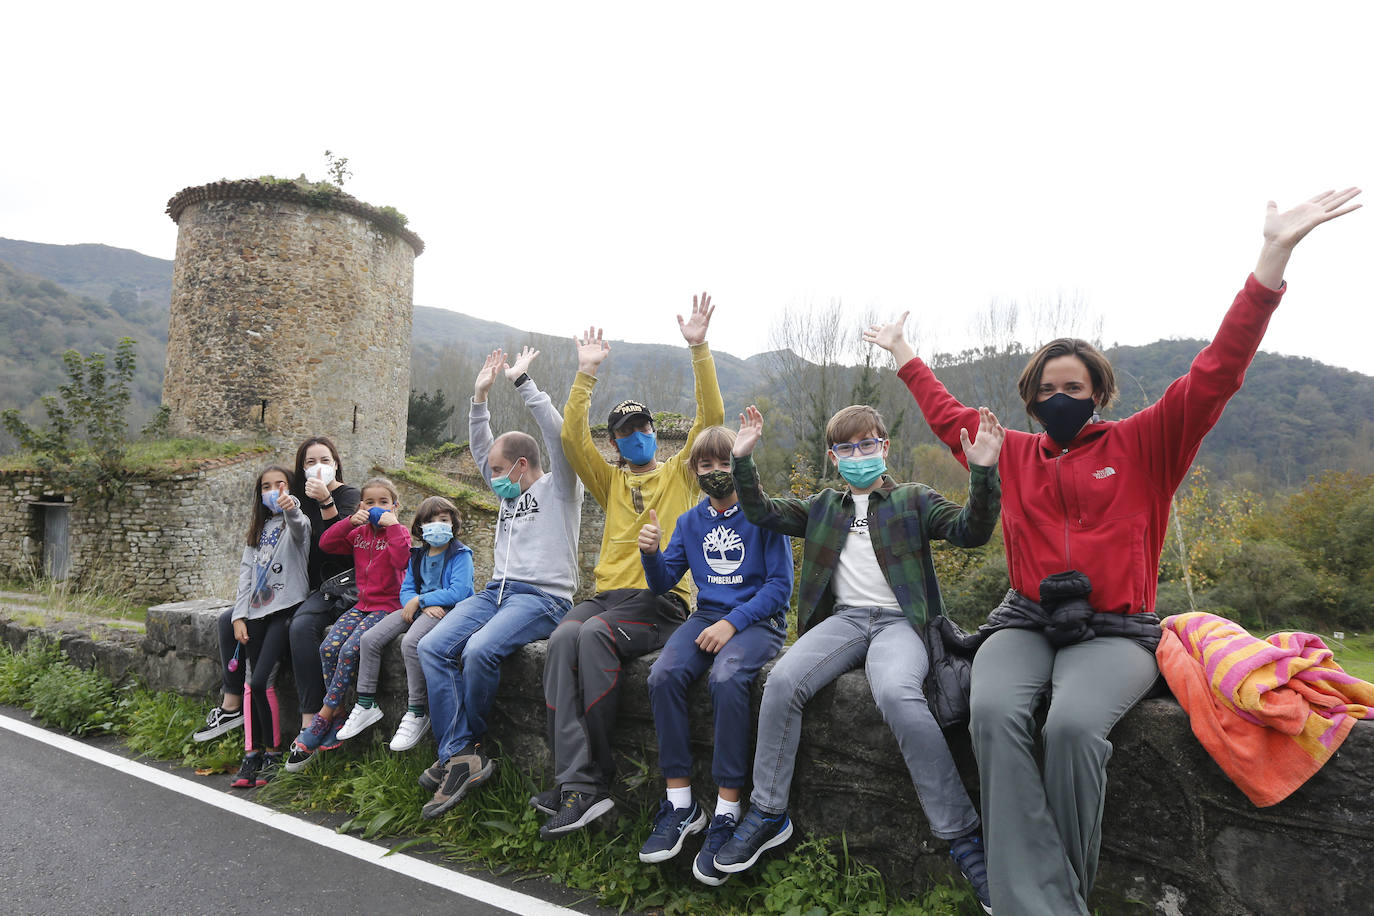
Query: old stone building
(290, 317)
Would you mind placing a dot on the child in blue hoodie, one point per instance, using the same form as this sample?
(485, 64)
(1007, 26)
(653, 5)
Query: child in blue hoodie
(438, 576)
(743, 575)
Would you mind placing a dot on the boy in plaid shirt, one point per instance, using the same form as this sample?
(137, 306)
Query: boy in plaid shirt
(866, 574)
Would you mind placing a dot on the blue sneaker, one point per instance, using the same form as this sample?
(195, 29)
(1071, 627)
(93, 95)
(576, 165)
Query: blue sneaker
(967, 853)
(331, 740)
(756, 834)
(704, 866)
(672, 826)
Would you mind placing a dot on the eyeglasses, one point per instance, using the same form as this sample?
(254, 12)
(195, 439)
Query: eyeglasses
(862, 447)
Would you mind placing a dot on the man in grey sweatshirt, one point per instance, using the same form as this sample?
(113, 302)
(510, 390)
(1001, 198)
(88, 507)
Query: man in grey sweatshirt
(533, 579)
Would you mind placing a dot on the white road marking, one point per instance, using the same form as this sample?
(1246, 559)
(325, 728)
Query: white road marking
(474, 888)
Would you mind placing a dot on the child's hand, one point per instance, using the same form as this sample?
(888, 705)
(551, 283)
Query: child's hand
(714, 637)
(286, 502)
(521, 364)
(358, 518)
(387, 520)
(649, 535)
(241, 631)
(988, 445)
(495, 362)
(694, 328)
(750, 432)
(409, 608)
(434, 611)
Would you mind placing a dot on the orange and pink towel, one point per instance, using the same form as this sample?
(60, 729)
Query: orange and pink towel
(1269, 711)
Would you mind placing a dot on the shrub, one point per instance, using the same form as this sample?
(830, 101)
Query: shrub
(19, 670)
(73, 699)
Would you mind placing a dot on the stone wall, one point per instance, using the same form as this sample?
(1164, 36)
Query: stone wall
(179, 536)
(289, 320)
(1179, 838)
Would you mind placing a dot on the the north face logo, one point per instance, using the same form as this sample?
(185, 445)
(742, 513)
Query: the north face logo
(1104, 473)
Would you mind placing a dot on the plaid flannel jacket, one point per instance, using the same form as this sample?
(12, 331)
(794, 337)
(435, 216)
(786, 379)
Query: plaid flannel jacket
(902, 520)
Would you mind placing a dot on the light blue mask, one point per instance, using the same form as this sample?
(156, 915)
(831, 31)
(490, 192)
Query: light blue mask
(269, 499)
(638, 448)
(862, 472)
(436, 534)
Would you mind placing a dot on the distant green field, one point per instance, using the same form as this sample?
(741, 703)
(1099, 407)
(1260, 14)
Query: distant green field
(1355, 654)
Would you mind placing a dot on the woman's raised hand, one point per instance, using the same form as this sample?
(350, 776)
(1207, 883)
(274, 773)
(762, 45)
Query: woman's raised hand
(987, 443)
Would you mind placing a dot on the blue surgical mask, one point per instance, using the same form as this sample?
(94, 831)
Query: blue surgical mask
(638, 448)
(269, 499)
(374, 515)
(862, 471)
(506, 488)
(436, 534)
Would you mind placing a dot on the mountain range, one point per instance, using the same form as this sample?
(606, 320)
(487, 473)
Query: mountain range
(1293, 418)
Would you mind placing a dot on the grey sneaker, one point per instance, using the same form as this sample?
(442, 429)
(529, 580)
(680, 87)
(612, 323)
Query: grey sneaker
(432, 776)
(219, 721)
(546, 802)
(575, 811)
(464, 770)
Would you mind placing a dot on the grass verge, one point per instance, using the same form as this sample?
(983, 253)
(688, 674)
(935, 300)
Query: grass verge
(494, 828)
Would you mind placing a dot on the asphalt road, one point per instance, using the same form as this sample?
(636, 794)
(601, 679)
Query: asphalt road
(78, 836)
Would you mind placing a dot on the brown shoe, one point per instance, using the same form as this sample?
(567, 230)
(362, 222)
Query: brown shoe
(465, 769)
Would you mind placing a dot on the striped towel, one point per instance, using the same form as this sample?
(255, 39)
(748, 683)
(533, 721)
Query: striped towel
(1269, 711)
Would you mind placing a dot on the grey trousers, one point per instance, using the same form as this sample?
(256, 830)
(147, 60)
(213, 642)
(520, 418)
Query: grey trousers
(1043, 831)
(376, 639)
(894, 659)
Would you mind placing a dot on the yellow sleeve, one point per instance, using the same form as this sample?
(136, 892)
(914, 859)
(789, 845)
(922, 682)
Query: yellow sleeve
(710, 408)
(576, 437)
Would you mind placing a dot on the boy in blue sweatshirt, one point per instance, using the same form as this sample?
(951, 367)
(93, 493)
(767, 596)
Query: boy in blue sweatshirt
(744, 579)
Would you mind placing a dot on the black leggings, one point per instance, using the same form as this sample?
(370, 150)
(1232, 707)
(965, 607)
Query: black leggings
(315, 614)
(266, 646)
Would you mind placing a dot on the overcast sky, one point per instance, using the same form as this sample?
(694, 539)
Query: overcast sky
(576, 163)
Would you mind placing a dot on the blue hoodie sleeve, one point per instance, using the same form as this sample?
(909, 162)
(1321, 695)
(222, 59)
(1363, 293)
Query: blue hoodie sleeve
(771, 598)
(457, 579)
(408, 583)
(662, 570)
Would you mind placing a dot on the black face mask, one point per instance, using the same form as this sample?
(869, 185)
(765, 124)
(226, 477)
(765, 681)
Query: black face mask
(1064, 416)
(716, 483)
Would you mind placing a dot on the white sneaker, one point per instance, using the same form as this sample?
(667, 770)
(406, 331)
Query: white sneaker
(361, 718)
(410, 731)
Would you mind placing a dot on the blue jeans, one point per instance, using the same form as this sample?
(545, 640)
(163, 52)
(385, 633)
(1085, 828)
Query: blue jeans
(462, 656)
(733, 670)
(894, 659)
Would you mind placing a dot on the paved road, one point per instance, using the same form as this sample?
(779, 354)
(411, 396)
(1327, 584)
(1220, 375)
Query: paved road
(79, 837)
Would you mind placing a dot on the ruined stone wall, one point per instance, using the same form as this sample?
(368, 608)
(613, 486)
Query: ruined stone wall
(174, 537)
(288, 321)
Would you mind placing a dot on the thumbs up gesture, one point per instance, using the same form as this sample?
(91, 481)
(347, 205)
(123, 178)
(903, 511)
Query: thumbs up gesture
(649, 534)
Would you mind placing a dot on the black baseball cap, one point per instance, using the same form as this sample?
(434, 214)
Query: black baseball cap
(625, 412)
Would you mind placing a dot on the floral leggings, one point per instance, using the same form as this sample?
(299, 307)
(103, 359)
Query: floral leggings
(340, 650)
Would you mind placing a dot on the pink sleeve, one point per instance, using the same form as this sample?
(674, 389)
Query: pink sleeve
(335, 538)
(398, 545)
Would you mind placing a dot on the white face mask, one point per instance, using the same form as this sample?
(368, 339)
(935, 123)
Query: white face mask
(324, 473)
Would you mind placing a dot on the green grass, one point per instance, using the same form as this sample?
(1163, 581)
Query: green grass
(159, 457)
(429, 479)
(1355, 654)
(58, 598)
(494, 827)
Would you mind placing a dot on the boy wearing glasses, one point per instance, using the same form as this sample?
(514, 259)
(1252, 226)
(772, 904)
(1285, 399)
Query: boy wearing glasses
(866, 581)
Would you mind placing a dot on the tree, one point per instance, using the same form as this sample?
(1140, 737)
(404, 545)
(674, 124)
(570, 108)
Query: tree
(95, 401)
(427, 420)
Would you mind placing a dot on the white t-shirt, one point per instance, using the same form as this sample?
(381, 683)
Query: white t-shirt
(858, 580)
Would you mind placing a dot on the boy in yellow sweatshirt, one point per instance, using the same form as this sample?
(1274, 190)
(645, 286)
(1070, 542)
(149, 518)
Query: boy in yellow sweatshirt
(623, 620)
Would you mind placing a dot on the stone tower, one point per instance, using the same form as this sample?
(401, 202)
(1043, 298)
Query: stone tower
(291, 317)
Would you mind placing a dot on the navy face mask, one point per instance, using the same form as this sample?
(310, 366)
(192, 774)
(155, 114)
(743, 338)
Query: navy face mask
(1063, 417)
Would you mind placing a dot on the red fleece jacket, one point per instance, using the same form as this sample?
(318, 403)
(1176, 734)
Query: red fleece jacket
(380, 556)
(1101, 506)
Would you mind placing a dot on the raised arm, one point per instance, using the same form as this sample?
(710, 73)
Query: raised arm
(1283, 231)
(784, 515)
(549, 420)
(944, 414)
(710, 406)
(576, 435)
(972, 524)
(479, 415)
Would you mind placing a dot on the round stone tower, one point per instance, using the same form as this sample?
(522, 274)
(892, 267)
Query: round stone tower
(291, 316)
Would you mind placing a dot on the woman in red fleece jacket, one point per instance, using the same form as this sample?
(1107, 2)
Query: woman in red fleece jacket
(1088, 495)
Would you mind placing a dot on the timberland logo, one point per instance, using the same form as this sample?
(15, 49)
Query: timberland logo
(1104, 473)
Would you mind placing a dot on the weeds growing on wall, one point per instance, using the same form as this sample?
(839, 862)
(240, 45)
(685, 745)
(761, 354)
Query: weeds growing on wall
(495, 827)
